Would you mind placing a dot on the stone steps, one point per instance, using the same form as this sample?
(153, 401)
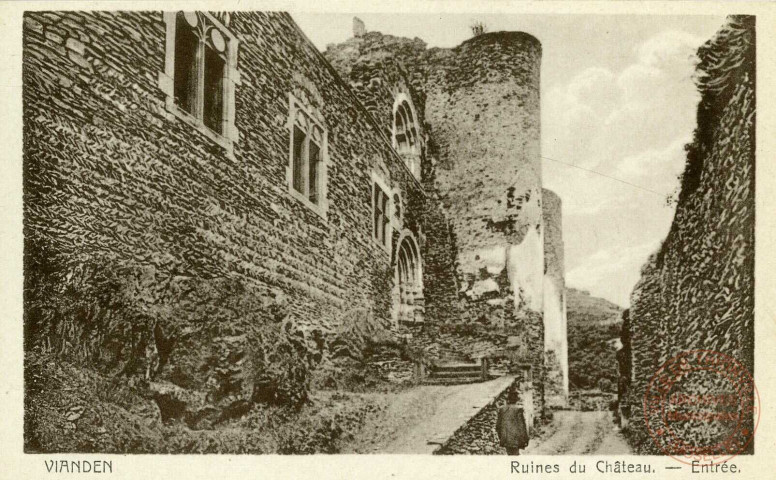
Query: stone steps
(453, 381)
(456, 373)
(466, 367)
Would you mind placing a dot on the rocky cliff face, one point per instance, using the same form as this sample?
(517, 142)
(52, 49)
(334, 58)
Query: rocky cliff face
(697, 291)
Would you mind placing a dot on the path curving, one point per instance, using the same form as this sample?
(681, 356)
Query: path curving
(419, 420)
(580, 433)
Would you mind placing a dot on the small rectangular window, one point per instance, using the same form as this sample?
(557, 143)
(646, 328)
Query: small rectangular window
(314, 162)
(386, 221)
(186, 47)
(380, 217)
(376, 211)
(381, 230)
(213, 107)
(298, 166)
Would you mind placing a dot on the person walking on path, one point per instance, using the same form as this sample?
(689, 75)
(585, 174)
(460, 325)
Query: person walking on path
(510, 425)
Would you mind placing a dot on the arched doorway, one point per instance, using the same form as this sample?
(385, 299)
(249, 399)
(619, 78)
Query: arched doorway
(408, 302)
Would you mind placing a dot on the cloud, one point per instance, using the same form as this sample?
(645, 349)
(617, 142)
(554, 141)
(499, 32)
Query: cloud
(659, 167)
(631, 124)
(612, 273)
(670, 47)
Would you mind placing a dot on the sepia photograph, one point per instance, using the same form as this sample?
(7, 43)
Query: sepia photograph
(435, 233)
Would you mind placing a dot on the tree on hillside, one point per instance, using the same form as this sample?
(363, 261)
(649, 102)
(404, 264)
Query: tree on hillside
(478, 28)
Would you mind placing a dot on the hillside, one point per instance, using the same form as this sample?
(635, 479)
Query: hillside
(581, 307)
(593, 323)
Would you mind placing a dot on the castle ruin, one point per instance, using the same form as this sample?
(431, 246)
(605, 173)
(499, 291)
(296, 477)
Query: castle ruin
(379, 175)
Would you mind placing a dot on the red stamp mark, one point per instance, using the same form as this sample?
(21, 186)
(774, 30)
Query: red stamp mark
(702, 405)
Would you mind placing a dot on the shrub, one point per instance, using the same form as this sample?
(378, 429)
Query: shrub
(282, 361)
(605, 385)
(358, 334)
(591, 356)
(478, 28)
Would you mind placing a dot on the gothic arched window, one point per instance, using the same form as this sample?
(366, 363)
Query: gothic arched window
(404, 128)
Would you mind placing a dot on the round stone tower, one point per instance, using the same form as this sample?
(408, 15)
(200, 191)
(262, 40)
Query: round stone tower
(482, 107)
(484, 167)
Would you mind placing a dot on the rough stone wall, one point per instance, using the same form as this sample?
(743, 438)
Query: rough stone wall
(478, 436)
(462, 97)
(440, 284)
(697, 291)
(482, 102)
(375, 67)
(555, 325)
(109, 172)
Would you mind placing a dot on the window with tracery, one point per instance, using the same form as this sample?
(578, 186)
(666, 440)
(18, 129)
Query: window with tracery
(380, 208)
(405, 133)
(201, 73)
(308, 139)
(200, 68)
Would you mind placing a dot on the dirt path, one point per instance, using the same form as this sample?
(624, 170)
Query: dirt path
(580, 433)
(418, 420)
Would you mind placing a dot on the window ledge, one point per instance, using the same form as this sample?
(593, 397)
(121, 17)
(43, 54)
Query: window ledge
(383, 247)
(197, 124)
(307, 203)
(412, 323)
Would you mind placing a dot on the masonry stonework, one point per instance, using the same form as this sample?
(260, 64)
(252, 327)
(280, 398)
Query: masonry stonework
(487, 171)
(108, 171)
(697, 291)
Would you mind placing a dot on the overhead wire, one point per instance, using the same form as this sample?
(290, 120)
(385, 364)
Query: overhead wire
(663, 195)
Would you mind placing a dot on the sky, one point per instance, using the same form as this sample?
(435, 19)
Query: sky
(617, 98)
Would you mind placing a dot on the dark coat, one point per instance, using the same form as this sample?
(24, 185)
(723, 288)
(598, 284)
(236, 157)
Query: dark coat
(511, 427)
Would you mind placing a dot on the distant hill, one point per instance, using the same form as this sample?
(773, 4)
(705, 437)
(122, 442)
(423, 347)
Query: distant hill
(581, 307)
(593, 334)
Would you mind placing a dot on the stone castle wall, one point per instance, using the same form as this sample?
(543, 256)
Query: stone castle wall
(482, 112)
(697, 291)
(377, 67)
(555, 324)
(482, 105)
(109, 172)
